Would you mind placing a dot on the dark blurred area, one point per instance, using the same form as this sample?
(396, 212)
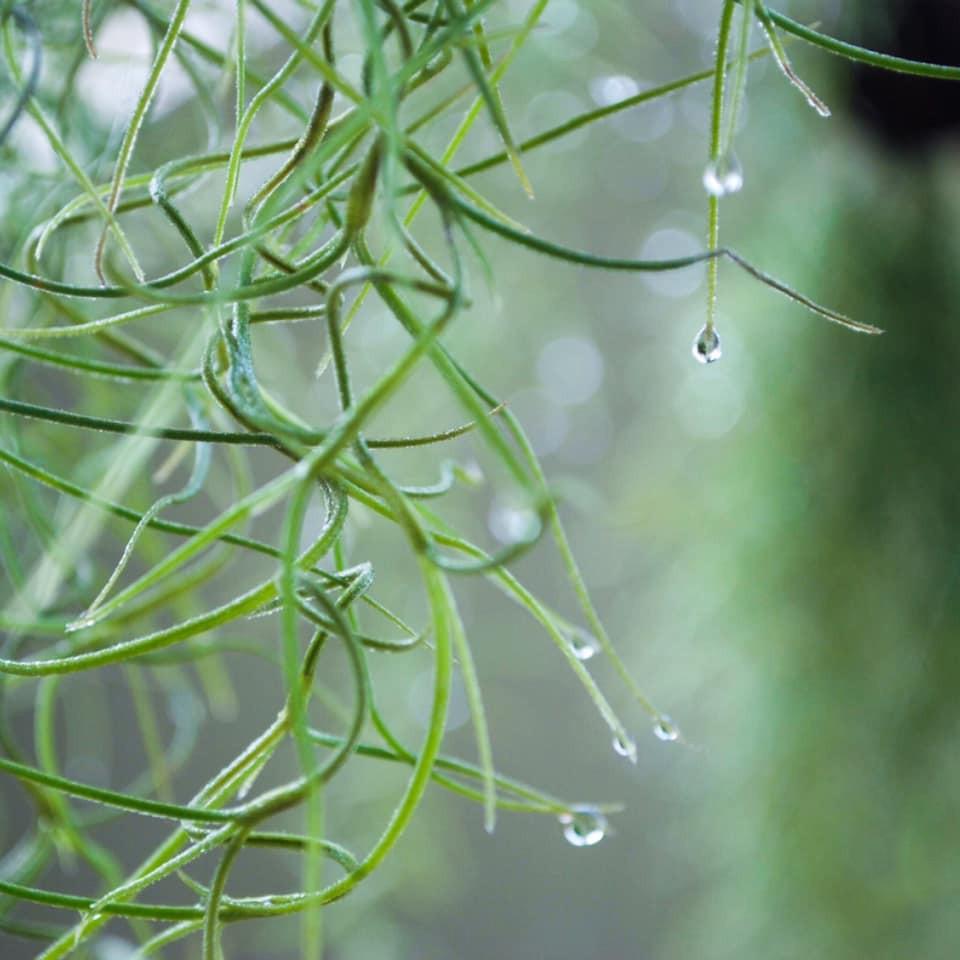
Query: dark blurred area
(908, 114)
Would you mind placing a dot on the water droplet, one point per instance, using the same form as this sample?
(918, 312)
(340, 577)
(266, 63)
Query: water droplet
(625, 747)
(665, 729)
(723, 176)
(583, 826)
(583, 644)
(706, 346)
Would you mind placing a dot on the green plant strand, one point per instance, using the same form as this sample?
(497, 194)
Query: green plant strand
(862, 55)
(139, 115)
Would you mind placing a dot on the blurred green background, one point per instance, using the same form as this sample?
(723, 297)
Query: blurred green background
(772, 540)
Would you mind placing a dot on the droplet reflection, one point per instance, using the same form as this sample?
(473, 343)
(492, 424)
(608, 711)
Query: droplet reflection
(665, 729)
(583, 826)
(723, 176)
(624, 747)
(583, 644)
(706, 346)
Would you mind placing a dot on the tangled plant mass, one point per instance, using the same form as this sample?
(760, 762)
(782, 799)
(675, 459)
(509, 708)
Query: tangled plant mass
(333, 225)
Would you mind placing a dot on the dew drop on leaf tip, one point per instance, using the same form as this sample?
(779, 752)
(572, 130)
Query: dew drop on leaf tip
(706, 346)
(583, 826)
(624, 747)
(665, 729)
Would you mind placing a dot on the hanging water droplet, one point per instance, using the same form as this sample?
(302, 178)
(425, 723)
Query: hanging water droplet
(625, 747)
(723, 176)
(583, 826)
(665, 729)
(706, 346)
(583, 644)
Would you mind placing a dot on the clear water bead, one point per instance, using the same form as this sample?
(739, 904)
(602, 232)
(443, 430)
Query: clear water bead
(584, 645)
(583, 826)
(723, 176)
(706, 346)
(624, 747)
(665, 729)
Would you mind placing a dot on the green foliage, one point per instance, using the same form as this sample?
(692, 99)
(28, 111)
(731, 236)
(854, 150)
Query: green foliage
(96, 584)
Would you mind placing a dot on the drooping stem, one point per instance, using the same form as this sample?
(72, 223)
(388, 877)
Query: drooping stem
(716, 120)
